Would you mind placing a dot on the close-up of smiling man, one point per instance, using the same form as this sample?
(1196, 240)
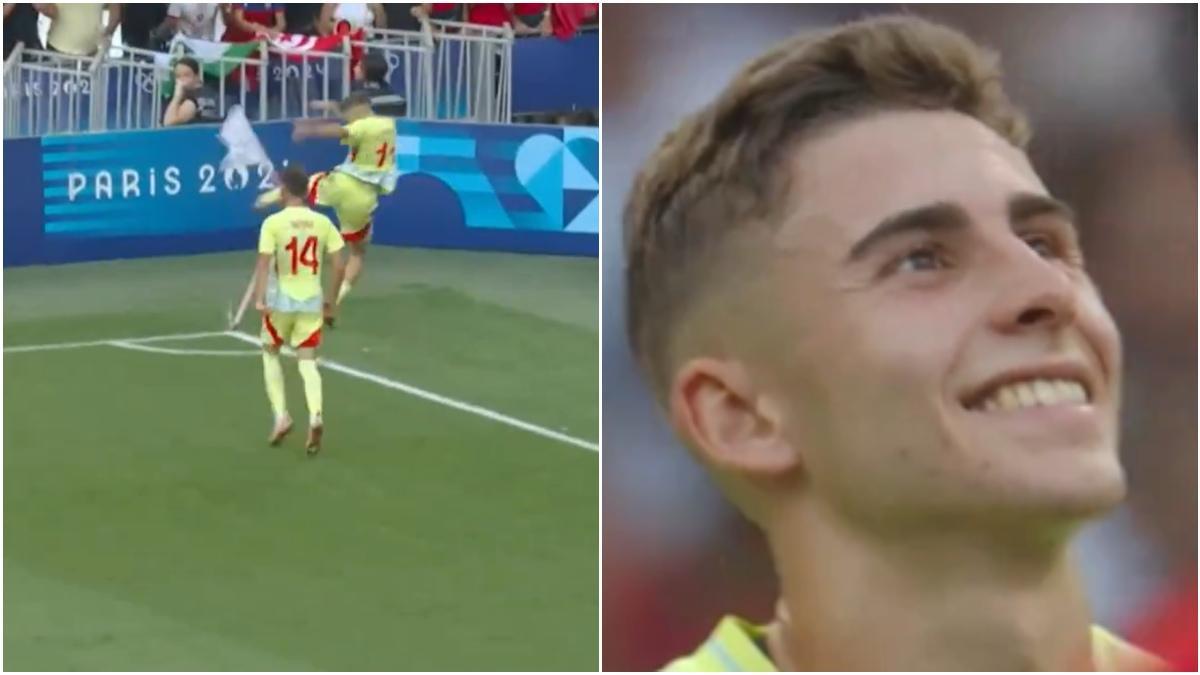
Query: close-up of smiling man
(868, 318)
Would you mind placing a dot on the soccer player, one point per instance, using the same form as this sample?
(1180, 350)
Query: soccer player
(870, 321)
(353, 187)
(292, 247)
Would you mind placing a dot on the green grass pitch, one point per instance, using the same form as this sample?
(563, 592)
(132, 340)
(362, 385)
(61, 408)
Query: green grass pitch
(147, 525)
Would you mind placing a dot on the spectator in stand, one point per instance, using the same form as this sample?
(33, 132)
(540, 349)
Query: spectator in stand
(371, 73)
(370, 78)
(75, 29)
(192, 102)
(591, 20)
(531, 18)
(245, 22)
(301, 17)
(401, 16)
(20, 25)
(347, 17)
(441, 11)
(494, 14)
(564, 20)
(191, 19)
(140, 22)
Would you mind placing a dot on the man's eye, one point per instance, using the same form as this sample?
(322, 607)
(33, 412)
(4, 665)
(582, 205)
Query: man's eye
(924, 259)
(1042, 245)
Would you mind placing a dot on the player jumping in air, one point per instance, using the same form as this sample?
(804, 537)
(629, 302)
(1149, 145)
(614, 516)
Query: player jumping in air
(918, 401)
(292, 248)
(353, 187)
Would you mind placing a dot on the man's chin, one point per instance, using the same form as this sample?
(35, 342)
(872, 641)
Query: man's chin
(1089, 489)
(1086, 504)
(1057, 487)
(1038, 469)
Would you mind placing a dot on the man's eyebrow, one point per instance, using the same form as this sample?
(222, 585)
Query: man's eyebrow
(941, 216)
(934, 217)
(1025, 205)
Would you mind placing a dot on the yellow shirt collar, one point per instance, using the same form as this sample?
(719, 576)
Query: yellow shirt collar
(733, 647)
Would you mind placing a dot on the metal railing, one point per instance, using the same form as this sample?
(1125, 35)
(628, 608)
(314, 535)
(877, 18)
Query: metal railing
(11, 84)
(472, 71)
(447, 70)
(284, 69)
(244, 71)
(50, 93)
(412, 53)
(136, 90)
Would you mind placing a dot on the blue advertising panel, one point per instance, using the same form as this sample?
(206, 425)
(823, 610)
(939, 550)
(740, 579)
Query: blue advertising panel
(515, 188)
(144, 193)
(554, 75)
(22, 201)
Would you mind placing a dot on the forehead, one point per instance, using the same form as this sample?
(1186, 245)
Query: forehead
(849, 178)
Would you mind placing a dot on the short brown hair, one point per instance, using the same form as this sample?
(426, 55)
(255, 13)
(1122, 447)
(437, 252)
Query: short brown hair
(295, 180)
(717, 173)
(192, 64)
(354, 100)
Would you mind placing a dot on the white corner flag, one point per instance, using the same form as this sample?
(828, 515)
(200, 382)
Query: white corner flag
(242, 150)
(242, 146)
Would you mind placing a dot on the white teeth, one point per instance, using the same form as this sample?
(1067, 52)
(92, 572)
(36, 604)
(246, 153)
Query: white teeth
(1008, 398)
(1031, 393)
(1047, 392)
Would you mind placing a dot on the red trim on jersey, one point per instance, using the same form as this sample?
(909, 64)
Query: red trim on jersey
(312, 189)
(313, 340)
(358, 236)
(271, 330)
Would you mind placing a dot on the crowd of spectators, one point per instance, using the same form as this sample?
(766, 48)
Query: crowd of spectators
(81, 30)
(78, 29)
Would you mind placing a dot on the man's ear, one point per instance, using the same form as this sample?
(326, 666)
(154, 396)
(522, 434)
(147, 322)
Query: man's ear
(735, 427)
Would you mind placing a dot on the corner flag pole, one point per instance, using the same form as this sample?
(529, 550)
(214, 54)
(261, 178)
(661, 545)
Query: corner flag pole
(242, 149)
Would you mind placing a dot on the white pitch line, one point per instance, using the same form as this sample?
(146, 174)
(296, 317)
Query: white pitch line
(124, 344)
(110, 342)
(438, 398)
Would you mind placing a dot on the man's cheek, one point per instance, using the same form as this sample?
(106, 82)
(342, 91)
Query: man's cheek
(1101, 332)
(909, 345)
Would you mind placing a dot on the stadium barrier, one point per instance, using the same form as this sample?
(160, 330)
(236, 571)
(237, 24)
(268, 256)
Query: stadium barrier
(136, 87)
(12, 83)
(409, 55)
(445, 71)
(473, 71)
(127, 194)
(135, 92)
(49, 93)
(299, 69)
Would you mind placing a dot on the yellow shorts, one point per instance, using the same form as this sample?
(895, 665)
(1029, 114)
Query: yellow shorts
(353, 200)
(297, 329)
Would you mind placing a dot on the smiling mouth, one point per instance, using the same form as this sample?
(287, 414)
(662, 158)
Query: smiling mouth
(1033, 393)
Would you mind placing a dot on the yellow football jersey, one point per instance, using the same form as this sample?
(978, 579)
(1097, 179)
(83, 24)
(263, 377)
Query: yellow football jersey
(372, 157)
(299, 239)
(734, 647)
